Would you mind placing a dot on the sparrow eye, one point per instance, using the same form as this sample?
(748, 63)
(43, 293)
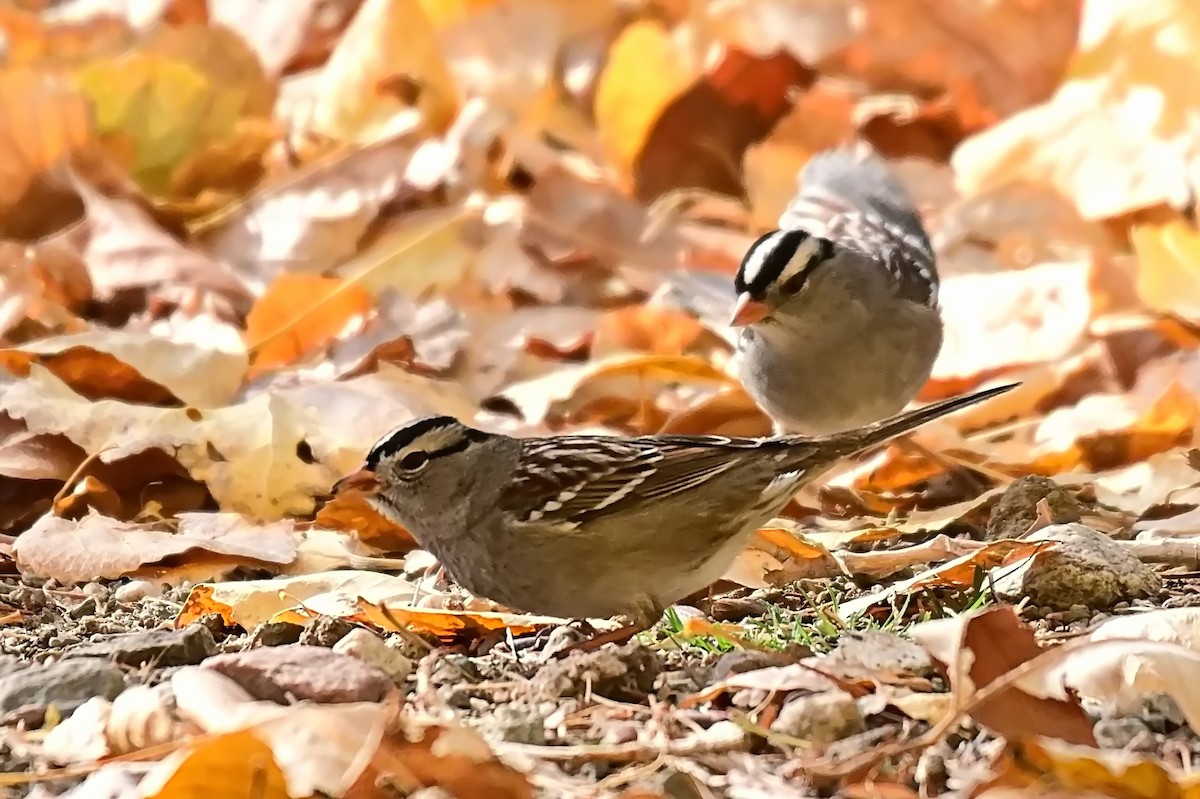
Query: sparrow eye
(414, 461)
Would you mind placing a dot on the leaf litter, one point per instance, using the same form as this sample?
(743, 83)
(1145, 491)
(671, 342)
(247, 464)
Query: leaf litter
(237, 245)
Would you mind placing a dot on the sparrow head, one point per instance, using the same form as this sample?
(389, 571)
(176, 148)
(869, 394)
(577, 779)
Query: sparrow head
(425, 463)
(775, 270)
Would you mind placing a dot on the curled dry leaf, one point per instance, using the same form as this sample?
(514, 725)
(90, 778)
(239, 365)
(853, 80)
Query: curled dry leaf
(222, 764)
(246, 454)
(998, 322)
(44, 122)
(959, 574)
(451, 759)
(124, 249)
(311, 220)
(978, 648)
(387, 39)
(249, 603)
(319, 748)
(1044, 768)
(1110, 138)
(1131, 657)
(32, 456)
(96, 546)
(135, 367)
(1168, 250)
(618, 391)
(450, 625)
(350, 511)
(177, 92)
(298, 314)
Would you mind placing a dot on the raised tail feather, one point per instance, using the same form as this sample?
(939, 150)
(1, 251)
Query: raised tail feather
(880, 432)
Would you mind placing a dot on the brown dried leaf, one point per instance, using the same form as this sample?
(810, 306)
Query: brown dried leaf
(247, 454)
(387, 39)
(977, 648)
(42, 123)
(97, 546)
(249, 603)
(312, 220)
(1009, 319)
(233, 760)
(300, 313)
(1114, 137)
(617, 391)
(134, 367)
(453, 760)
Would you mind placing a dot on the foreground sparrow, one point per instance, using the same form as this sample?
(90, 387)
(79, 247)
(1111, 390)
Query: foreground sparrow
(592, 526)
(839, 306)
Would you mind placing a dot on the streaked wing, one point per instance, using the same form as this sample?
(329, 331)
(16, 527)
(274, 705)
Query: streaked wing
(856, 202)
(568, 478)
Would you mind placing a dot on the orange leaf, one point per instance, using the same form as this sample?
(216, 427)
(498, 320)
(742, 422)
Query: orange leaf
(1169, 264)
(299, 313)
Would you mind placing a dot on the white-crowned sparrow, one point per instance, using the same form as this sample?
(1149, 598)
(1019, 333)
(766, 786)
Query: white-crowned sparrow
(839, 306)
(583, 526)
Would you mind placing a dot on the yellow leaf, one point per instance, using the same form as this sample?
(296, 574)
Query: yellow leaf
(386, 40)
(1168, 264)
(229, 765)
(645, 71)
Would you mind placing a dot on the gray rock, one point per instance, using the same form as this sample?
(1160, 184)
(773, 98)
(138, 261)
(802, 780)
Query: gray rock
(1016, 509)
(66, 684)
(185, 647)
(326, 631)
(871, 651)
(1121, 733)
(515, 722)
(820, 718)
(1087, 568)
(276, 633)
(297, 672)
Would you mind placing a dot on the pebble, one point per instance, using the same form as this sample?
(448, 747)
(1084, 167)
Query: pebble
(67, 684)
(297, 672)
(327, 631)
(367, 647)
(137, 590)
(1086, 568)
(185, 647)
(276, 633)
(820, 718)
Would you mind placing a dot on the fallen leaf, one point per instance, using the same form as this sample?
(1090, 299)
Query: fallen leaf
(386, 39)
(96, 546)
(978, 648)
(226, 763)
(299, 313)
(135, 367)
(1112, 138)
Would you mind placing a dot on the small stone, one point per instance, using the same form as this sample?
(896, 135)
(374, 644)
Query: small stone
(1120, 733)
(820, 718)
(624, 673)
(1016, 510)
(327, 631)
(741, 661)
(296, 672)
(276, 633)
(872, 651)
(514, 722)
(215, 624)
(184, 647)
(88, 607)
(66, 684)
(1086, 568)
(137, 590)
(367, 647)
(98, 590)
